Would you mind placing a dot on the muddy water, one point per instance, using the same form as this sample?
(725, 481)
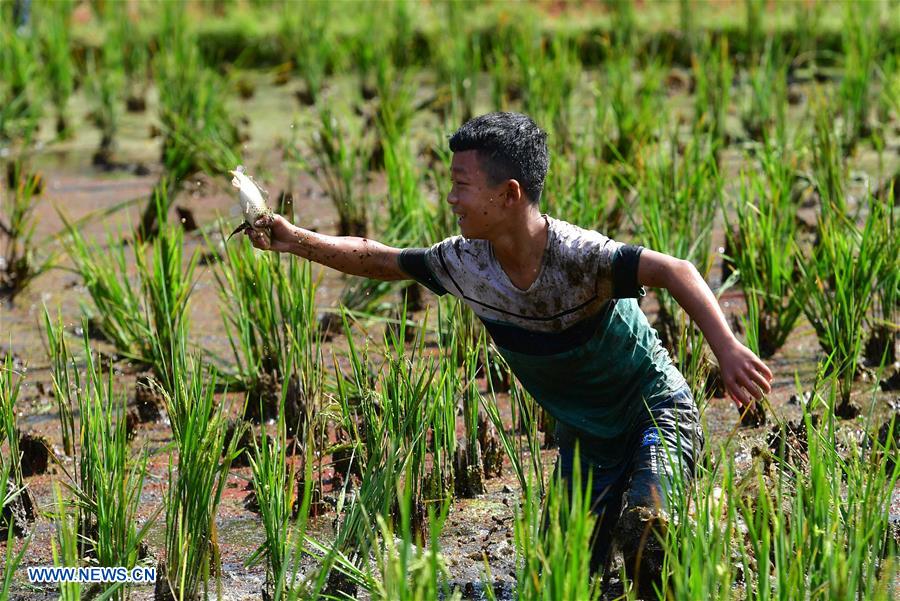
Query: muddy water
(475, 529)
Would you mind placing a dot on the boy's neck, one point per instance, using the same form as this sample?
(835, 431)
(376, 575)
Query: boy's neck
(519, 248)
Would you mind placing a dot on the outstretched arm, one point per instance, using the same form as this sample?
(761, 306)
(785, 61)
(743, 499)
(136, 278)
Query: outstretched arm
(744, 374)
(349, 254)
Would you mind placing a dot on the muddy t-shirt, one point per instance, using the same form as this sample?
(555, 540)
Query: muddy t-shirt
(576, 338)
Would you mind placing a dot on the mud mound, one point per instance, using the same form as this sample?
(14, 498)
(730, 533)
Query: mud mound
(468, 465)
(265, 399)
(753, 415)
(789, 442)
(35, 452)
(637, 535)
(148, 399)
(491, 450)
(17, 514)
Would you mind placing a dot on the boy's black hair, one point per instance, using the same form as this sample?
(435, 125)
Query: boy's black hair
(510, 146)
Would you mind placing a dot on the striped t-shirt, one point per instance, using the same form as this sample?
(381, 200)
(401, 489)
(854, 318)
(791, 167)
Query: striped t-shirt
(576, 338)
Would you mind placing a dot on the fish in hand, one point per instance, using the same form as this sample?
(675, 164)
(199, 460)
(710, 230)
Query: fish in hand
(253, 201)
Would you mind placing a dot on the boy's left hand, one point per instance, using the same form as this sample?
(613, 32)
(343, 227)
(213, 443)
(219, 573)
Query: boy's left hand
(745, 376)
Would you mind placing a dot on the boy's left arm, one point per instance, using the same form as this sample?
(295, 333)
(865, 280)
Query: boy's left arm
(744, 374)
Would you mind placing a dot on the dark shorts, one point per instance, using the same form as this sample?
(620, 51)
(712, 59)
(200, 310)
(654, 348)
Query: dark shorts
(666, 443)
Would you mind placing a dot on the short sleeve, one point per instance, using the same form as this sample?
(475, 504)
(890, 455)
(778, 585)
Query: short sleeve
(624, 272)
(414, 262)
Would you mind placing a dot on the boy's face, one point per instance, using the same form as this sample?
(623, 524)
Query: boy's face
(480, 207)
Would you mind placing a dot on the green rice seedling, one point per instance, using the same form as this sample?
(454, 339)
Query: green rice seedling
(396, 27)
(388, 425)
(582, 189)
(703, 540)
(469, 465)
(12, 559)
(884, 320)
(205, 453)
(64, 546)
(339, 164)
(372, 41)
(273, 483)
(521, 444)
(56, 43)
(294, 541)
(623, 25)
(117, 301)
(778, 530)
(106, 85)
(17, 507)
(384, 34)
(677, 198)
(550, 76)
(861, 52)
(629, 109)
(406, 385)
(553, 541)
(409, 223)
(441, 480)
(807, 25)
(692, 357)
(763, 107)
(135, 55)
(687, 24)
(437, 180)
(829, 169)
(713, 72)
(63, 386)
(166, 285)
(110, 478)
(540, 72)
(889, 99)
(505, 87)
(199, 131)
(309, 38)
(144, 319)
(840, 281)
(458, 61)
(20, 262)
(343, 564)
(396, 104)
(407, 569)
(765, 253)
(755, 31)
(10, 386)
(269, 312)
(408, 211)
(21, 94)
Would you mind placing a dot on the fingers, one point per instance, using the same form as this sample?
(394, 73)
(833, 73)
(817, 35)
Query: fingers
(740, 397)
(258, 239)
(747, 386)
(762, 368)
(761, 380)
(266, 221)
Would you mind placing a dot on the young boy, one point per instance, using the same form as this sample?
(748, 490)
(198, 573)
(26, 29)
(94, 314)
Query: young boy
(559, 303)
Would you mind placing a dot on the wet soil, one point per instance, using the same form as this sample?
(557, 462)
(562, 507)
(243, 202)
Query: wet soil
(478, 528)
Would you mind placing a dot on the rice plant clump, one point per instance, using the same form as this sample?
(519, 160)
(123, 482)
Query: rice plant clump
(20, 261)
(204, 455)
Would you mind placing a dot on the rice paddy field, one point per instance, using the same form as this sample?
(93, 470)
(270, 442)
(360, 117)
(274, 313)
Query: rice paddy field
(254, 426)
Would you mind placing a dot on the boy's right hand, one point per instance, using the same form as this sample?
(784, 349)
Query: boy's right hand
(281, 235)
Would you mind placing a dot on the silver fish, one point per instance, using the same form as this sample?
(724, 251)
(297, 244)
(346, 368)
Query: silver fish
(253, 201)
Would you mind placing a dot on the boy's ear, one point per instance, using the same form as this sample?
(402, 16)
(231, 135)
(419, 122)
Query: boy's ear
(514, 192)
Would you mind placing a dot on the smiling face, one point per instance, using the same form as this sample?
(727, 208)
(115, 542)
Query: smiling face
(479, 207)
